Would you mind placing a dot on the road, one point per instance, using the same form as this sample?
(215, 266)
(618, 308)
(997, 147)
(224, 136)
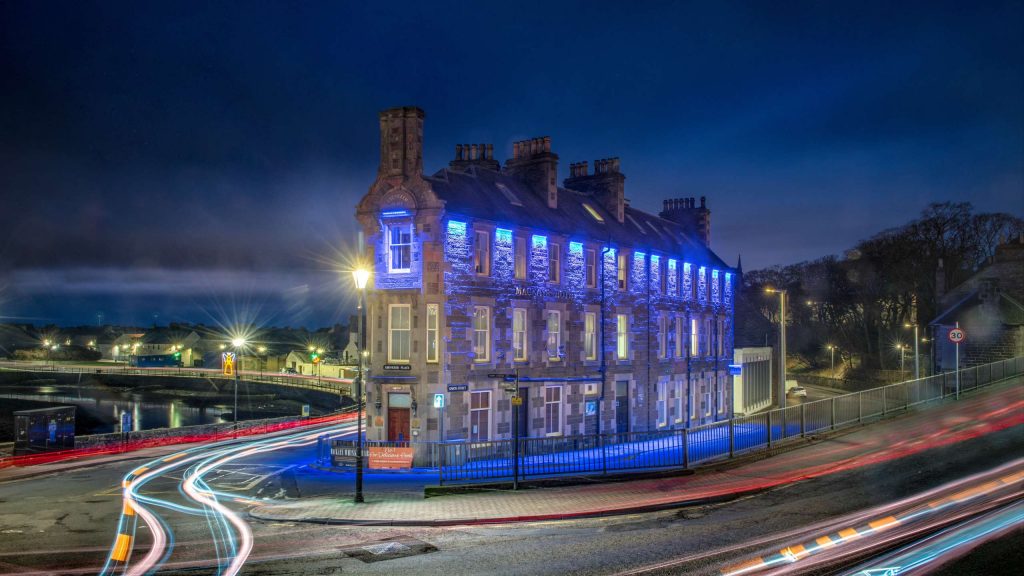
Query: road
(69, 522)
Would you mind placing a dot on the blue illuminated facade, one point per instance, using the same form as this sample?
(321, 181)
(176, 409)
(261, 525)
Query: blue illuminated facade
(507, 272)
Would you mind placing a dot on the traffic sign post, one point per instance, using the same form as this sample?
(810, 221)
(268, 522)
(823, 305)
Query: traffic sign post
(439, 404)
(516, 403)
(956, 336)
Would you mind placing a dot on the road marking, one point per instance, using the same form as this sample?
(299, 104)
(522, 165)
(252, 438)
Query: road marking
(128, 510)
(174, 457)
(883, 523)
(121, 547)
(139, 471)
(849, 534)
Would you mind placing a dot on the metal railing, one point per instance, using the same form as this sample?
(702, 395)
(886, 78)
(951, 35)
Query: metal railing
(341, 386)
(463, 462)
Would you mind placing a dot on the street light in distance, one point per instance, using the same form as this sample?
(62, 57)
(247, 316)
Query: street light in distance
(782, 343)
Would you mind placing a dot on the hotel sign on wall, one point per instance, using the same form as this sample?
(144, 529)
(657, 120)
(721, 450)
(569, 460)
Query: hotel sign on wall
(549, 293)
(390, 457)
(398, 367)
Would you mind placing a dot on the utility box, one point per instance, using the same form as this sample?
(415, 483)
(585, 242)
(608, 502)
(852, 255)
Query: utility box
(44, 430)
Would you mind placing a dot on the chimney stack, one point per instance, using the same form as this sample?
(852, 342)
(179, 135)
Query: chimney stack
(696, 222)
(401, 142)
(481, 155)
(534, 163)
(607, 184)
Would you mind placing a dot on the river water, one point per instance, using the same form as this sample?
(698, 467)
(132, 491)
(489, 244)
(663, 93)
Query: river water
(100, 407)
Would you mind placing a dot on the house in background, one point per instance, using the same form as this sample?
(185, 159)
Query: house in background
(990, 309)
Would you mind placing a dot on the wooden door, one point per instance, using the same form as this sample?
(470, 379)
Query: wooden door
(398, 424)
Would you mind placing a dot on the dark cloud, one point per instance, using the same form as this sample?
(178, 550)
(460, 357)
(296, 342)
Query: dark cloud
(206, 136)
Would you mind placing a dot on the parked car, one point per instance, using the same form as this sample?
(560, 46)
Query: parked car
(798, 391)
(288, 370)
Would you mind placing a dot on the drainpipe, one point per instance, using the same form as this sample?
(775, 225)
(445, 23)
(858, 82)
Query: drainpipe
(603, 368)
(648, 282)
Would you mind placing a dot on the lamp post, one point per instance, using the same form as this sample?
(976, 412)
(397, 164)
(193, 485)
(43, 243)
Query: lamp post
(782, 344)
(832, 353)
(263, 359)
(238, 343)
(902, 348)
(360, 276)
(917, 340)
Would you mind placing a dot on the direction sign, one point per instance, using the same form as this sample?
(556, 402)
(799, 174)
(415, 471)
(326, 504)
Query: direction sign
(458, 387)
(399, 367)
(501, 375)
(957, 335)
(438, 400)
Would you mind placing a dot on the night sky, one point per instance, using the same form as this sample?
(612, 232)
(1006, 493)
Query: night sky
(201, 161)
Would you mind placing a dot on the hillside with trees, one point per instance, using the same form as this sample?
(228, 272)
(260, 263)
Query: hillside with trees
(861, 302)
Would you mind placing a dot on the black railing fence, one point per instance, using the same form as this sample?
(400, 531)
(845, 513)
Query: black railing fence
(466, 462)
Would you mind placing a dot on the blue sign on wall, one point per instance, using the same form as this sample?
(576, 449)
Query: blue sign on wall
(458, 387)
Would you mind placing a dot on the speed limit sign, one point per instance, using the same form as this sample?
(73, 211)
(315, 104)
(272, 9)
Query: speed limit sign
(956, 335)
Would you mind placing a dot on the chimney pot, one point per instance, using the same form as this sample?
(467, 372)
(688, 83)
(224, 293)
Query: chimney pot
(703, 202)
(490, 151)
(458, 151)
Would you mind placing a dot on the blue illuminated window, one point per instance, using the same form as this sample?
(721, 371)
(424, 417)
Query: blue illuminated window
(399, 247)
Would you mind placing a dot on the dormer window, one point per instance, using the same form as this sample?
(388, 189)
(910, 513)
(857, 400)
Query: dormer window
(399, 247)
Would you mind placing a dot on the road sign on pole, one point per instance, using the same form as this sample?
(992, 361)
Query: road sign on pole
(956, 336)
(501, 376)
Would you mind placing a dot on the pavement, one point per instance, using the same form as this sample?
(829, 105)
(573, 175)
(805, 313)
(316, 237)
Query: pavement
(327, 500)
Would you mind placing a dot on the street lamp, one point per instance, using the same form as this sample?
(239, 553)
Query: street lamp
(917, 364)
(782, 343)
(902, 348)
(238, 343)
(832, 352)
(360, 276)
(263, 359)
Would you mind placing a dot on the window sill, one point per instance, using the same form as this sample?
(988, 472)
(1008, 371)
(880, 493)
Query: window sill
(553, 434)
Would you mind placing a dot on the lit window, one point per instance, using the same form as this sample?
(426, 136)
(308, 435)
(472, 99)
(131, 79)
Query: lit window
(694, 337)
(519, 334)
(554, 334)
(399, 332)
(591, 268)
(520, 258)
(552, 410)
(481, 333)
(593, 213)
(622, 337)
(662, 403)
(693, 396)
(708, 335)
(480, 416)
(399, 240)
(707, 403)
(663, 335)
(623, 271)
(432, 353)
(679, 336)
(721, 337)
(482, 253)
(554, 263)
(590, 335)
(721, 394)
(679, 400)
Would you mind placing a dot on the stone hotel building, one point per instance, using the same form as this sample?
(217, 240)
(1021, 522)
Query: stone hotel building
(616, 320)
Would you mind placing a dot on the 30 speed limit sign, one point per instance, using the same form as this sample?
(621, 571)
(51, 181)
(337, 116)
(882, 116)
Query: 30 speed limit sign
(956, 335)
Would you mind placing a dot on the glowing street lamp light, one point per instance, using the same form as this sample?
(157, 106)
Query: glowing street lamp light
(782, 343)
(360, 277)
(917, 364)
(832, 352)
(238, 343)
